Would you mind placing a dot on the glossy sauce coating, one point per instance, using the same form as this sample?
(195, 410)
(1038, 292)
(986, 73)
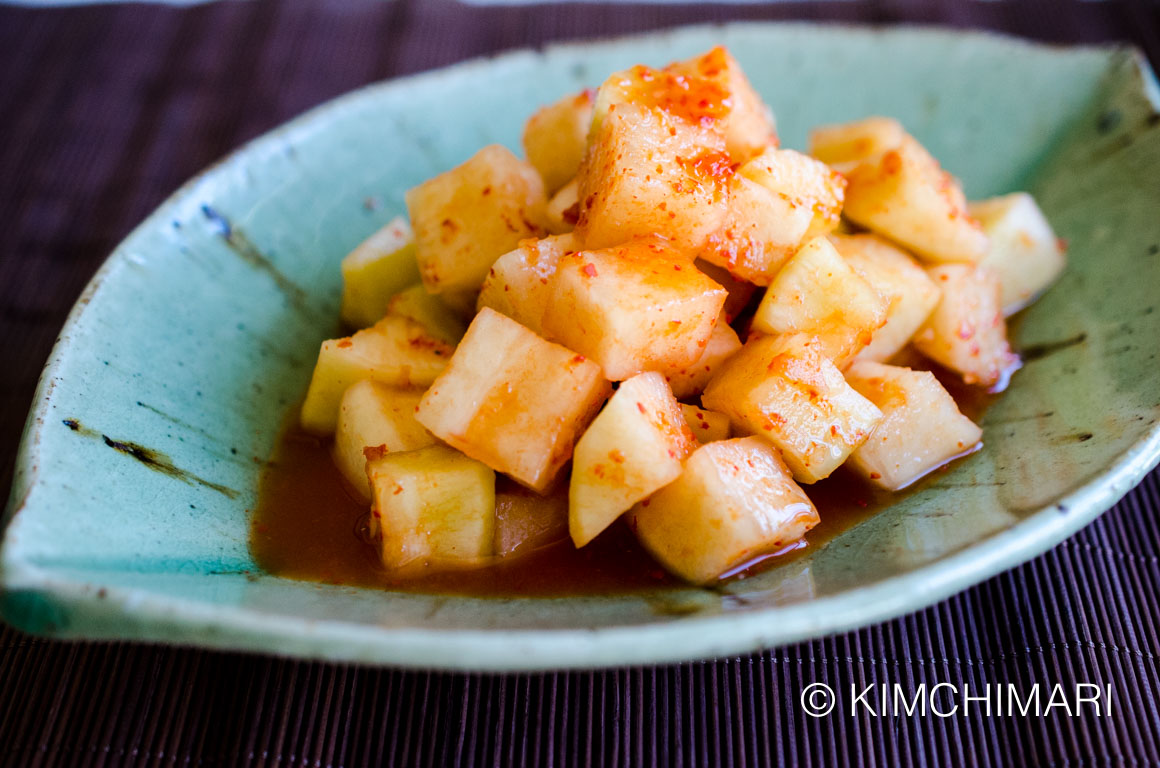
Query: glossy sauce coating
(309, 526)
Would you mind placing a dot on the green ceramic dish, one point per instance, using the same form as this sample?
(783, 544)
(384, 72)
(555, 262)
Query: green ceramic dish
(129, 511)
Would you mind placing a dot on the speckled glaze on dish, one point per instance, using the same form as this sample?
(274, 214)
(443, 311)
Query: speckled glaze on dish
(142, 453)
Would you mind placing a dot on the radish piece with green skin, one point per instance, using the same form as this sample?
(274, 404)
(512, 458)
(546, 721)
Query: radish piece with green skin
(372, 415)
(433, 508)
(395, 351)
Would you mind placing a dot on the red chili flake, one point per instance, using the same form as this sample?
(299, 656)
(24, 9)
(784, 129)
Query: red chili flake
(579, 359)
(589, 269)
(875, 476)
(344, 343)
(640, 407)
(892, 163)
(398, 489)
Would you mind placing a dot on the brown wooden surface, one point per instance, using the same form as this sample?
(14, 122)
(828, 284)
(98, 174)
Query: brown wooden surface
(105, 110)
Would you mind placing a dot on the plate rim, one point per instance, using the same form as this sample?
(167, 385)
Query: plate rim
(183, 621)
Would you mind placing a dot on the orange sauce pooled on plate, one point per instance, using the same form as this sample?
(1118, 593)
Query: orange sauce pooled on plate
(308, 525)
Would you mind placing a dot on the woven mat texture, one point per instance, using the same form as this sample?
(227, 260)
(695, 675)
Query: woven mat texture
(105, 110)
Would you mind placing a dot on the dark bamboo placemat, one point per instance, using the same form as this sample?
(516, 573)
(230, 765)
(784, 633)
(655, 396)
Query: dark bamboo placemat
(105, 110)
